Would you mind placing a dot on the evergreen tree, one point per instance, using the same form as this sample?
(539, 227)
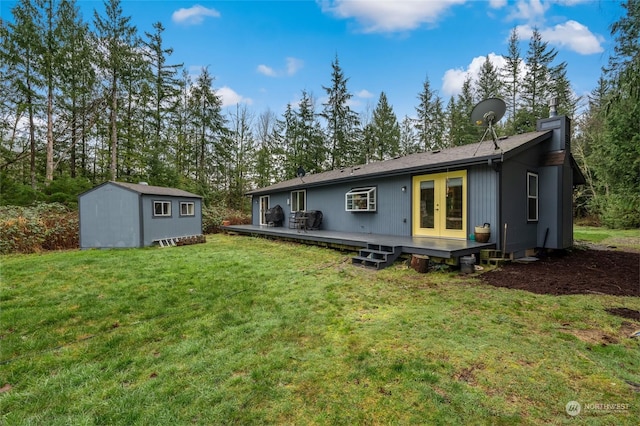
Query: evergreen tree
(341, 121)
(76, 80)
(536, 87)
(385, 131)
(164, 91)
(617, 156)
(267, 160)
(427, 117)
(242, 156)
(116, 41)
(488, 85)
(511, 76)
(210, 130)
(23, 53)
(408, 138)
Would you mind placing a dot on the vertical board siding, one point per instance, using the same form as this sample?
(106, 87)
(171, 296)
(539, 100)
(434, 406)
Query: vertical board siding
(483, 199)
(109, 218)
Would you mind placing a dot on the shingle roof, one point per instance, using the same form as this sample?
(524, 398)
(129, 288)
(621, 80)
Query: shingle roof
(459, 156)
(155, 190)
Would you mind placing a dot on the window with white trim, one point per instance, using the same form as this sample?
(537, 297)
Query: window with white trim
(361, 200)
(187, 208)
(299, 200)
(532, 197)
(162, 208)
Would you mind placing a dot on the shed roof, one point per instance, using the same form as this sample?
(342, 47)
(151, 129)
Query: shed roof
(154, 190)
(459, 156)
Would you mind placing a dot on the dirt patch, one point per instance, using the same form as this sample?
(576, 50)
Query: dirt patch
(573, 272)
(624, 313)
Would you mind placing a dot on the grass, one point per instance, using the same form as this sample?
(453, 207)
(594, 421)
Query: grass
(250, 331)
(620, 238)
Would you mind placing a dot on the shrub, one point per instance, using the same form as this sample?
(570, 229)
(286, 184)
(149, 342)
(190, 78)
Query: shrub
(40, 227)
(212, 217)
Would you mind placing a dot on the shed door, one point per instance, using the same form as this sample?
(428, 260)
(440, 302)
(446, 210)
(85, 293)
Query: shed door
(264, 206)
(440, 205)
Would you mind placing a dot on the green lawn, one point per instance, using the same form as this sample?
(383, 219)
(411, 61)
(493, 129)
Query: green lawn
(250, 331)
(623, 239)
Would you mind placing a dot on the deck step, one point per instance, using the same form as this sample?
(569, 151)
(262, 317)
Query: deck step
(376, 256)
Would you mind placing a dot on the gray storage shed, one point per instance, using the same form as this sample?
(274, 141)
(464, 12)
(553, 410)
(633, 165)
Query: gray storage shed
(119, 214)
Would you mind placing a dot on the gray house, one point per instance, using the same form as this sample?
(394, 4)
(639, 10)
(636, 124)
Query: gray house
(522, 189)
(118, 214)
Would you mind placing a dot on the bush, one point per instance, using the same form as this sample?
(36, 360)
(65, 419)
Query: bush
(212, 217)
(621, 211)
(40, 227)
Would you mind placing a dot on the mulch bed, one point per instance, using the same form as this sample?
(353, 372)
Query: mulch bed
(573, 272)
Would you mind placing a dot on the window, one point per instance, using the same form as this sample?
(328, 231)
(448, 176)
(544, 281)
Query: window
(187, 209)
(532, 197)
(361, 200)
(162, 208)
(298, 200)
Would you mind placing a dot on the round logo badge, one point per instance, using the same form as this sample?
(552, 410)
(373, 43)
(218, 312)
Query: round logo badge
(573, 408)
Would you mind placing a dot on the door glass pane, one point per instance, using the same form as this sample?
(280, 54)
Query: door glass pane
(454, 203)
(427, 204)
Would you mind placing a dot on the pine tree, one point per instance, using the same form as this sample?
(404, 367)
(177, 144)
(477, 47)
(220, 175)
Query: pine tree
(427, 117)
(385, 131)
(408, 138)
(488, 85)
(536, 87)
(617, 156)
(164, 91)
(76, 80)
(341, 121)
(511, 76)
(23, 52)
(116, 41)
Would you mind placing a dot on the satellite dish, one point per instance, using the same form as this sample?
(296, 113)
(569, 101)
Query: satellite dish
(486, 114)
(301, 172)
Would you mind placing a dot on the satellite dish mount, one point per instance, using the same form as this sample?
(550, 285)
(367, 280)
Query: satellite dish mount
(487, 113)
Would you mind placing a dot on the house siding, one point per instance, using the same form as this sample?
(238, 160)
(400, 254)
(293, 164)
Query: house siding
(106, 218)
(483, 200)
(392, 215)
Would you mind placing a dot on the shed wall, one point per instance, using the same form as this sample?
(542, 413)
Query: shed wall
(167, 227)
(109, 217)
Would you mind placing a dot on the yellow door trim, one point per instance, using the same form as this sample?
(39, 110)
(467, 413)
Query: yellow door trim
(440, 199)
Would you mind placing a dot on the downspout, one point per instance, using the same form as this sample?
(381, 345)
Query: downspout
(499, 230)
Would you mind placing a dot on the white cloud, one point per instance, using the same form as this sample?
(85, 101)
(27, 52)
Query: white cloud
(571, 35)
(453, 79)
(365, 94)
(230, 97)
(389, 16)
(194, 15)
(266, 70)
(497, 4)
(529, 10)
(293, 65)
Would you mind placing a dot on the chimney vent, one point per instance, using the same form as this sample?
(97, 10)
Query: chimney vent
(553, 107)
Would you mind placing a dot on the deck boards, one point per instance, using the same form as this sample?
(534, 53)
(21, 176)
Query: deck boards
(445, 248)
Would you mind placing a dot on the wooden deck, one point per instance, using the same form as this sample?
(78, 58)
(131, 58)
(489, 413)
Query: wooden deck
(445, 248)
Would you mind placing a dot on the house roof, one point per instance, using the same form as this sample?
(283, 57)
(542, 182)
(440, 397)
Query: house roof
(459, 156)
(155, 190)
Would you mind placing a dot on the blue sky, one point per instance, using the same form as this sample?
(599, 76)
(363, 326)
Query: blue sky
(264, 53)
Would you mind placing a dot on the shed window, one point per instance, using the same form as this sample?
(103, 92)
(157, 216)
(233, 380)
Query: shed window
(162, 208)
(361, 200)
(532, 197)
(298, 200)
(187, 209)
